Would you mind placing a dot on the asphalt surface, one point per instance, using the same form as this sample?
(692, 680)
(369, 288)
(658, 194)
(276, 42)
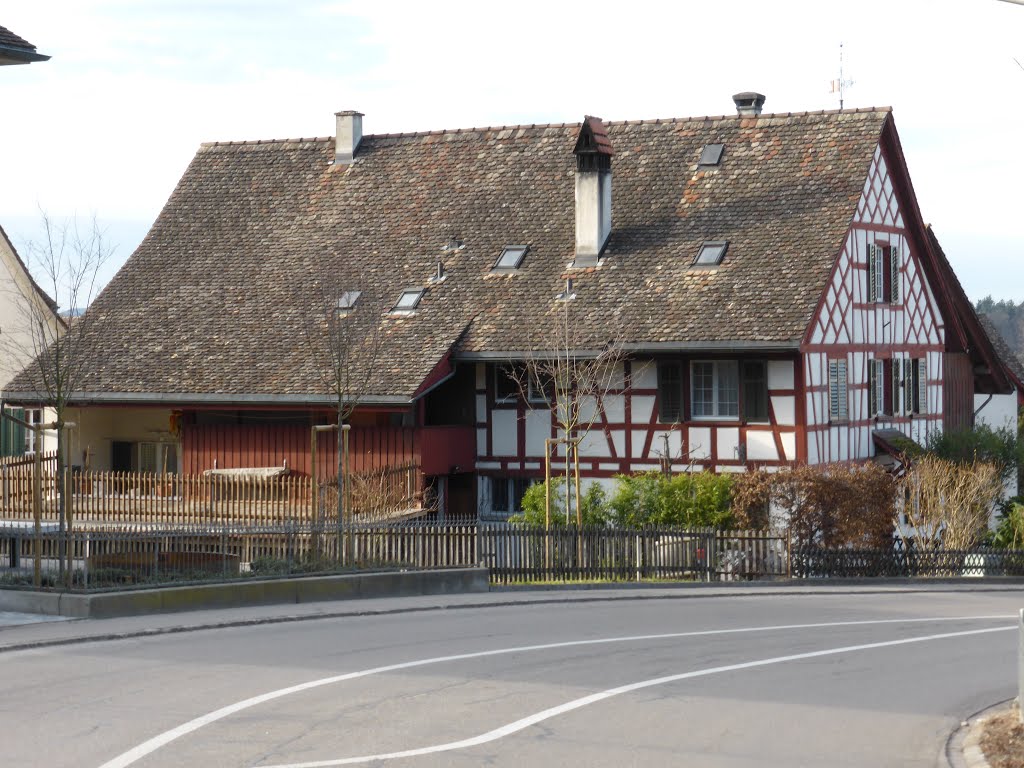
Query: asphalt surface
(758, 677)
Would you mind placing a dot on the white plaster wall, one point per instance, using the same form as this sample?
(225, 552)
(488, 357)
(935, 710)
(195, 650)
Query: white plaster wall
(538, 429)
(761, 446)
(780, 374)
(999, 413)
(728, 443)
(503, 432)
(700, 443)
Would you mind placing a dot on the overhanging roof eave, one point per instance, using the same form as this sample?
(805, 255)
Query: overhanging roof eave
(178, 399)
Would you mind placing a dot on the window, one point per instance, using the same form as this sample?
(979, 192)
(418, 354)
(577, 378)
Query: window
(408, 301)
(711, 154)
(499, 494)
(348, 300)
(506, 388)
(915, 385)
(537, 391)
(838, 407)
(876, 379)
(670, 392)
(711, 253)
(884, 267)
(33, 441)
(158, 458)
(714, 389)
(507, 493)
(511, 257)
(755, 390)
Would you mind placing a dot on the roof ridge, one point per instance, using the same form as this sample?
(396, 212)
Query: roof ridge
(544, 126)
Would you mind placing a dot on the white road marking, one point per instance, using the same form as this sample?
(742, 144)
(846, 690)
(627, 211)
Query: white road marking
(152, 745)
(569, 706)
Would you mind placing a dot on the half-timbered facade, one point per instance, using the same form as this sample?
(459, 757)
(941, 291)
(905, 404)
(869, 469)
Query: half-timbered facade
(767, 279)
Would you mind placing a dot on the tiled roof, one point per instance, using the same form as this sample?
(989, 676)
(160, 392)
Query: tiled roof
(212, 300)
(12, 40)
(1007, 356)
(15, 47)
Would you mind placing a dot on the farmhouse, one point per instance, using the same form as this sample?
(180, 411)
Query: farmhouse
(768, 279)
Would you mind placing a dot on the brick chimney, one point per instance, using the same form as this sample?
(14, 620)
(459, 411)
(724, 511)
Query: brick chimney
(748, 103)
(348, 134)
(593, 191)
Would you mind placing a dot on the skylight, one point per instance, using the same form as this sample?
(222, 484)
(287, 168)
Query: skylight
(348, 300)
(511, 257)
(408, 300)
(711, 253)
(711, 154)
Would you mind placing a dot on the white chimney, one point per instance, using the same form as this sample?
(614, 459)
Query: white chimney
(748, 103)
(348, 134)
(593, 191)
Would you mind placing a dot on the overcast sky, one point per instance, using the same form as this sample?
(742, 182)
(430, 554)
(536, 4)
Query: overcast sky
(108, 125)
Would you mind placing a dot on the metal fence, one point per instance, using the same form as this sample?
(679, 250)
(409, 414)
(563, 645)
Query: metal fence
(902, 561)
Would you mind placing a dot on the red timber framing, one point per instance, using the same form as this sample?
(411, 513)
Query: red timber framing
(878, 312)
(627, 434)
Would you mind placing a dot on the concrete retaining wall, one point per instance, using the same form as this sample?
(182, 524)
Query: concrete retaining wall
(243, 593)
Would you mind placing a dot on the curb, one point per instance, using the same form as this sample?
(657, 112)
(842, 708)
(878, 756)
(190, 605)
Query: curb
(247, 594)
(963, 748)
(681, 594)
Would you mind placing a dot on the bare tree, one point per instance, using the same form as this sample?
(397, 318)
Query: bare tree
(567, 374)
(65, 262)
(344, 335)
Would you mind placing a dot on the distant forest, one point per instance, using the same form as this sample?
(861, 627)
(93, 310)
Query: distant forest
(1008, 317)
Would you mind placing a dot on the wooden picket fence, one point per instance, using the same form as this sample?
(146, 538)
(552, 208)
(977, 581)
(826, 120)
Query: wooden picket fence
(49, 461)
(515, 554)
(165, 499)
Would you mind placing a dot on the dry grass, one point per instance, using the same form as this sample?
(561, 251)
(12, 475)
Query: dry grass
(1003, 740)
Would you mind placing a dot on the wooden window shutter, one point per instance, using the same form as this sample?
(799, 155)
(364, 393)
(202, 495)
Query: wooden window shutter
(895, 265)
(837, 390)
(922, 385)
(833, 389)
(897, 370)
(909, 376)
(872, 272)
(872, 388)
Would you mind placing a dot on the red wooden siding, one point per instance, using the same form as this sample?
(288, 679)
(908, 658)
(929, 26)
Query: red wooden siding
(958, 391)
(231, 446)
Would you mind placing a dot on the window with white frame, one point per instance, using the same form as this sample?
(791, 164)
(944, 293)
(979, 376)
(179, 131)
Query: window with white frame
(714, 389)
(33, 440)
(838, 394)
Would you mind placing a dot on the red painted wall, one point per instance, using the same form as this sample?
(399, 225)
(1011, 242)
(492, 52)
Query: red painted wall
(230, 446)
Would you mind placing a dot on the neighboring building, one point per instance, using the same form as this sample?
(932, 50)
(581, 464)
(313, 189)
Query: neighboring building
(17, 50)
(22, 303)
(17, 288)
(769, 276)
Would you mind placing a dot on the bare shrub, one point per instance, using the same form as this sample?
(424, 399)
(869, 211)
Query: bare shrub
(833, 505)
(948, 502)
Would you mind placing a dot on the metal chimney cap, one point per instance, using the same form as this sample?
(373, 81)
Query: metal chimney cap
(748, 102)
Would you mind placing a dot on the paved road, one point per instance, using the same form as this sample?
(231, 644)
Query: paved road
(762, 680)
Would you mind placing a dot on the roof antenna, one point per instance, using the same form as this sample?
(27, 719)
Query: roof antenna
(839, 86)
